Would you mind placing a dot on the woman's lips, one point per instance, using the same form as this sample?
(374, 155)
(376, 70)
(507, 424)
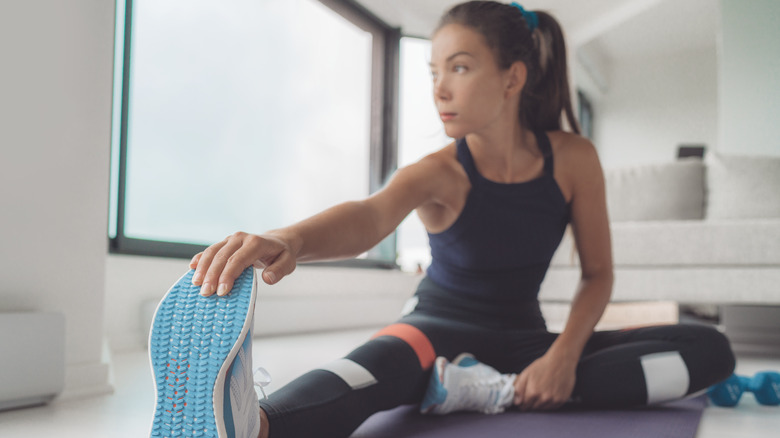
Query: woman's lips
(446, 117)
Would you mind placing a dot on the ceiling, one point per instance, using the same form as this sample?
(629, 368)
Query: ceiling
(614, 28)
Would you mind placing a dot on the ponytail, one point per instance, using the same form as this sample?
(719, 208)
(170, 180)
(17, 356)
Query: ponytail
(545, 101)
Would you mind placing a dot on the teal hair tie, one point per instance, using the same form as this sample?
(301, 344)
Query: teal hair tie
(530, 17)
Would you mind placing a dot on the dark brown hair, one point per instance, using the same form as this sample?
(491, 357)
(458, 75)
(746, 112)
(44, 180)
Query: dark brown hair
(546, 96)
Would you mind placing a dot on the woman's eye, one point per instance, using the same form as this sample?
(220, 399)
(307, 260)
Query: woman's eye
(434, 75)
(460, 69)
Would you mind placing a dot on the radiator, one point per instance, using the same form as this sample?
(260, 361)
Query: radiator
(32, 358)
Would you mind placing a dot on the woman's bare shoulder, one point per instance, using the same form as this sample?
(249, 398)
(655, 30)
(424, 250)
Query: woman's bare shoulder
(576, 162)
(443, 162)
(569, 143)
(446, 156)
(441, 175)
(573, 152)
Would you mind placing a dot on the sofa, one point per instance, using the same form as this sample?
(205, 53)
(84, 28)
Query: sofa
(691, 231)
(699, 235)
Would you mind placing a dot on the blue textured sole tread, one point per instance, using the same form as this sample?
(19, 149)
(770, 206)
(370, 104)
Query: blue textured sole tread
(193, 340)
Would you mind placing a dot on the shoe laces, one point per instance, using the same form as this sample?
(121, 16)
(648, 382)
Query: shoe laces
(485, 394)
(262, 379)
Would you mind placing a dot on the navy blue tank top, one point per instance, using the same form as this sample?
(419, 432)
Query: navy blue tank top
(500, 246)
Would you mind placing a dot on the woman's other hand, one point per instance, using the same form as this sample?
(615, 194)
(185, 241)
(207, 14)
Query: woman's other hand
(546, 384)
(219, 265)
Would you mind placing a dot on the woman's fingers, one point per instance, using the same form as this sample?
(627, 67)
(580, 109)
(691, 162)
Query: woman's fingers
(252, 250)
(527, 395)
(212, 280)
(520, 386)
(543, 403)
(204, 261)
(283, 266)
(548, 402)
(217, 268)
(265, 253)
(530, 400)
(533, 399)
(194, 262)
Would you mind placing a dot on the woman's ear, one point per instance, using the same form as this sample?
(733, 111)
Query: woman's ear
(516, 78)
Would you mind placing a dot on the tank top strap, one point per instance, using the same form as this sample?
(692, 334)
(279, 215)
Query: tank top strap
(465, 159)
(544, 146)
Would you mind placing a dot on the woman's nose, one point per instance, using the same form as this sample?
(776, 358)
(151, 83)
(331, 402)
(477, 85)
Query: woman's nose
(440, 90)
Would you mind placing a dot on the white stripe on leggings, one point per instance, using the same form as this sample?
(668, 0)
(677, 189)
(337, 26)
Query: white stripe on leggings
(666, 376)
(351, 372)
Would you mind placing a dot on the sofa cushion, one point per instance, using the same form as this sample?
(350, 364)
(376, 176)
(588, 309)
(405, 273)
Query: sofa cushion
(673, 191)
(688, 243)
(691, 284)
(742, 187)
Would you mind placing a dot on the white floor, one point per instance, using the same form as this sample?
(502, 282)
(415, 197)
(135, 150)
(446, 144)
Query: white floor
(126, 413)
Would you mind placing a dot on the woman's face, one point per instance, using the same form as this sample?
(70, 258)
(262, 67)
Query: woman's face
(469, 89)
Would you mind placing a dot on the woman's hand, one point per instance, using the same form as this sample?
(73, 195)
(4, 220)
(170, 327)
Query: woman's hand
(219, 265)
(546, 384)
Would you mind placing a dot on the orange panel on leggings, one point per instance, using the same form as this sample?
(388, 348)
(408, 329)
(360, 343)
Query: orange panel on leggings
(415, 338)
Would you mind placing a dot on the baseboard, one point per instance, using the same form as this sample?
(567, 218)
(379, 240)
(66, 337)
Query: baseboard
(754, 350)
(757, 342)
(753, 330)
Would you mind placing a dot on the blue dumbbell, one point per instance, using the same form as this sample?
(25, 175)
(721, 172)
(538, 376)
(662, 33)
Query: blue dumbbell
(765, 386)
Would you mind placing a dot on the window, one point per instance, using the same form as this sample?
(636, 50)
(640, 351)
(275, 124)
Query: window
(585, 115)
(244, 115)
(420, 132)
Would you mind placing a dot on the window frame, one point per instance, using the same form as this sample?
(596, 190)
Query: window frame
(383, 141)
(585, 114)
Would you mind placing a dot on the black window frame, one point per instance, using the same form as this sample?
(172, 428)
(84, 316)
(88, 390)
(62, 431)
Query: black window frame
(585, 114)
(383, 136)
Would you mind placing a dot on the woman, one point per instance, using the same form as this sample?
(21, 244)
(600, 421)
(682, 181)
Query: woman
(495, 203)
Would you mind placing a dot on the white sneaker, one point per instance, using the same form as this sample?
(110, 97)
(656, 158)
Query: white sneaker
(241, 411)
(467, 385)
(200, 350)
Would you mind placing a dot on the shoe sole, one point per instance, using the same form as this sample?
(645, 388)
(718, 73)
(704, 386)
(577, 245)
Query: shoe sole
(192, 343)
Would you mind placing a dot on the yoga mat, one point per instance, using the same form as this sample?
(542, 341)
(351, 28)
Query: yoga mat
(672, 420)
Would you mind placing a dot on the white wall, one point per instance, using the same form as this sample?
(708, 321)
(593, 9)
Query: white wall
(55, 117)
(749, 84)
(652, 105)
(727, 98)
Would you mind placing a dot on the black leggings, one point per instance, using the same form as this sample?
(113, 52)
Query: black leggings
(617, 368)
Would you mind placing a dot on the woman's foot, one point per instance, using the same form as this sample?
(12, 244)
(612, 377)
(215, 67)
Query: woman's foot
(201, 356)
(467, 385)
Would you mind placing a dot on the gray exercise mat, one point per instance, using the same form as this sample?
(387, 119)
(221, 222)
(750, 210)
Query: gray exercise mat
(673, 420)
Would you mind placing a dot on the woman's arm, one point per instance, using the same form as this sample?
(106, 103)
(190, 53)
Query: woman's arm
(343, 231)
(351, 228)
(590, 225)
(549, 383)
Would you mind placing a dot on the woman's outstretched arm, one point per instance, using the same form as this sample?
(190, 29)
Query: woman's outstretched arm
(342, 231)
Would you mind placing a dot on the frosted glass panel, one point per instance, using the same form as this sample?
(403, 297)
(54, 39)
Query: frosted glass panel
(420, 133)
(244, 115)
